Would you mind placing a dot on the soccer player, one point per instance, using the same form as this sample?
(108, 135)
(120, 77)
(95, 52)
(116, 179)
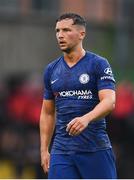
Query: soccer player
(79, 93)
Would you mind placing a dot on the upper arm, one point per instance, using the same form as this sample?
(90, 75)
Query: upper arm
(105, 77)
(48, 107)
(48, 93)
(107, 93)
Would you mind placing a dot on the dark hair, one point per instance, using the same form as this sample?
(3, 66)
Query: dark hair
(77, 19)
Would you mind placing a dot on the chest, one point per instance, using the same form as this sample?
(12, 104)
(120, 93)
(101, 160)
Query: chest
(80, 77)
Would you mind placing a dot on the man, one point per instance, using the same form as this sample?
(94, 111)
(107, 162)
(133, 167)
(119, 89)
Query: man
(79, 93)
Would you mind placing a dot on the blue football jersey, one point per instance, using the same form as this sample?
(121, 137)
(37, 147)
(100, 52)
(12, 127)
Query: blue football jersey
(75, 92)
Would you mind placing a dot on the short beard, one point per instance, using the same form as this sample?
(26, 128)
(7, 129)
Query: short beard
(68, 50)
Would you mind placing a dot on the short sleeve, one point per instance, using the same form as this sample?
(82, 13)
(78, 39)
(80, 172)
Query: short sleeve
(105, 77)
(48, 94)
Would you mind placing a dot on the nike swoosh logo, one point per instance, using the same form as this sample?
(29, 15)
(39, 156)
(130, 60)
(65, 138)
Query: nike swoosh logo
(52, 82)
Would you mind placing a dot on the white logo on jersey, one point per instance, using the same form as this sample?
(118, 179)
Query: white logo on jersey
(81, 94)
(52, 82)
(108, 71)
(75, 93)
(84, 78)
(107, 77)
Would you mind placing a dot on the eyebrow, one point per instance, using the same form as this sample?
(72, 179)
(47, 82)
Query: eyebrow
(65, 28)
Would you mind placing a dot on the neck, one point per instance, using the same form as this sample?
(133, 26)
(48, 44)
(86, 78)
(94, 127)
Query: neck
(73, 57)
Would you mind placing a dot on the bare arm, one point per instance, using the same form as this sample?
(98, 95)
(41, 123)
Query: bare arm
(106, 105)
(47, 124)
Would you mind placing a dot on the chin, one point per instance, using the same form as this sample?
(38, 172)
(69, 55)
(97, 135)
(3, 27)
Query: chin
(63, 48)
(67, 50)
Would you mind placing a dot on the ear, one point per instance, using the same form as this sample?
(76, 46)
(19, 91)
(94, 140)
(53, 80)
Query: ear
(82, 35)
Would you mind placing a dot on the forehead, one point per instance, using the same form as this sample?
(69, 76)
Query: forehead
(65, 23)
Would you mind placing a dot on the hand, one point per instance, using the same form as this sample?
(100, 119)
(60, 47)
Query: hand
(45, 160)
(77, 125)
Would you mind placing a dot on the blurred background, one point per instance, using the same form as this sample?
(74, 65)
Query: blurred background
(28, 44)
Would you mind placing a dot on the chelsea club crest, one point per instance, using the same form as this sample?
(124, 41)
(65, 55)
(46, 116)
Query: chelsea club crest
(84, 78)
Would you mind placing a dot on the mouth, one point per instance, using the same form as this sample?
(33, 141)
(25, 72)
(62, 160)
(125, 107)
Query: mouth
(62, 43)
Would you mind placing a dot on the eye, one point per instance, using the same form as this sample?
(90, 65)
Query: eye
(66, 29)
(57, 30)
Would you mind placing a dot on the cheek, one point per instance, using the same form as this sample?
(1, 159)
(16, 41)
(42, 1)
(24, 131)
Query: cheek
(73, 37)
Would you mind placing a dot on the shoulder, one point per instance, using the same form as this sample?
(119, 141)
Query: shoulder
(48, 70)
(96, 58)
(51, 65)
